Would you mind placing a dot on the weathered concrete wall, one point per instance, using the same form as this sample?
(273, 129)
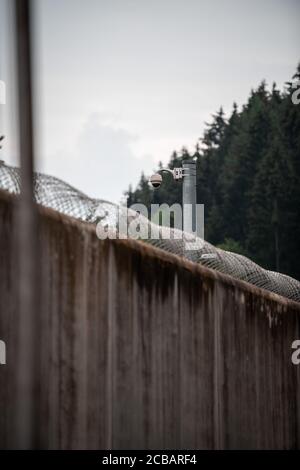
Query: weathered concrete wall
(140, 349)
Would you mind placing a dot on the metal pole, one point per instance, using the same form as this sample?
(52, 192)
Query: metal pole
(25, 327)
(189, 195)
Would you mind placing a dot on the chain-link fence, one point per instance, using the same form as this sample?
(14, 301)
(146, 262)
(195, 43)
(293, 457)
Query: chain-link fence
(58, 195)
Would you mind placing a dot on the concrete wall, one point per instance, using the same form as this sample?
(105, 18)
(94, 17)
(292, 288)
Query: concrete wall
(137, 348)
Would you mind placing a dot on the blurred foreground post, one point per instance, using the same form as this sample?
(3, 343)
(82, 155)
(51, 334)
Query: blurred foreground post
(25, 328)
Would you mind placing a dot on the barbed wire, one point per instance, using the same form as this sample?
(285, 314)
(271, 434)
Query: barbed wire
(53, 193)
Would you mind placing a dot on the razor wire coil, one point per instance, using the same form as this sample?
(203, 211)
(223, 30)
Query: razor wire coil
(53, 193)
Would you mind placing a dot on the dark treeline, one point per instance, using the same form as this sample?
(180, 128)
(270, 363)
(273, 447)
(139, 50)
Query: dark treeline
(248, 171)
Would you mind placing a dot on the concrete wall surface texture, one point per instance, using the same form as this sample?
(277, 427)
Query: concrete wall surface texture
(137, 348)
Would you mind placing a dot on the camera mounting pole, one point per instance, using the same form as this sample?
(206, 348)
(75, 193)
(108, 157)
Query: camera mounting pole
(189, 196)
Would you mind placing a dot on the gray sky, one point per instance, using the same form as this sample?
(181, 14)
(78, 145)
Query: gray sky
(121, 84)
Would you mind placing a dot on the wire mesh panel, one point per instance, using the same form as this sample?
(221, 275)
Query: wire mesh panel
(58, 195)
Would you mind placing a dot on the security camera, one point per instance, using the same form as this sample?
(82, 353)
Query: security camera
(155, 180)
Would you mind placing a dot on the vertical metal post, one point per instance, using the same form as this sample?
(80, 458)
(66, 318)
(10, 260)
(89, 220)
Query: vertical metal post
(25, 328)
(189, 196)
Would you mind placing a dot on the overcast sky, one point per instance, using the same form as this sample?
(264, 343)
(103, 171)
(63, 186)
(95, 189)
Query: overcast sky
(120, 84)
